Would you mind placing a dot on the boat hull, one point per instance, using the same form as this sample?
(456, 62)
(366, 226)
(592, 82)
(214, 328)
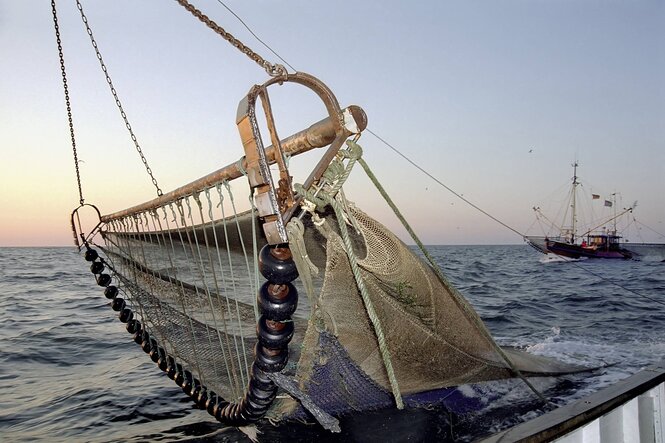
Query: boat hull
(577, 251)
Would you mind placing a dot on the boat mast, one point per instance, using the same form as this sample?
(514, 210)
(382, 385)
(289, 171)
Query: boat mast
(573, 203)
(614, 208)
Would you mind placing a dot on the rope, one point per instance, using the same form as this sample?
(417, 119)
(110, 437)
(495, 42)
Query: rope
(67, 102)
(255, 252)
(323, 198)
(236, 387)
(179, 228)
(172, 261)
(494, 218)
(213, 274)
(458, 298)
(306, 268)
(649, 228)
(233, 283)
(254, 35)
(142, 229)
(157, 227)
(289, 385)
(369, 307)
(460, 196)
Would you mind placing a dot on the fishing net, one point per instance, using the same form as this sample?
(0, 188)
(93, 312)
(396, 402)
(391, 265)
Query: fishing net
(378, 322)
(189, 270)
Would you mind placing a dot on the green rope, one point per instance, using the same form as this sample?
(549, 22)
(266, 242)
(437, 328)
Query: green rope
(255, 253)
(324, 198)
(369, 307)
(296, 231)
(456, 295)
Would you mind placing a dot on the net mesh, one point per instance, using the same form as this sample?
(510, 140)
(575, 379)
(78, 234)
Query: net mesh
(193, 292)
(432, 340)
(188, 270)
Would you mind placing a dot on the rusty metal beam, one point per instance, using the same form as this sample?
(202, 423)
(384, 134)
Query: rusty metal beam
(318, 135)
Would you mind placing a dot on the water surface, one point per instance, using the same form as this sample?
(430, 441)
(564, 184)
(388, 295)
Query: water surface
(70, 372)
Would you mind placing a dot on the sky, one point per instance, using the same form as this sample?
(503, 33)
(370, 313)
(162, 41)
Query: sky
(496, 99)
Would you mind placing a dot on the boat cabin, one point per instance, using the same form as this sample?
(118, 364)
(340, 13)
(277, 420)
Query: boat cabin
(602, 241)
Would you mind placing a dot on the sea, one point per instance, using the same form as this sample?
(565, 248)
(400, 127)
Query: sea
(70, 372)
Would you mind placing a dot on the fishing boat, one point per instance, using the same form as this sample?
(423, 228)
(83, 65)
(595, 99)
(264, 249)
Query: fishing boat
(594, 246)
(598, 241)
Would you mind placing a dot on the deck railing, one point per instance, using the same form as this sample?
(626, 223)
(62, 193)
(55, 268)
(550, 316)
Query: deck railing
(632, 410)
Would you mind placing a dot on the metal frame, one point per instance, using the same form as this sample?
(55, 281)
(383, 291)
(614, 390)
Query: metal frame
(276, 204)
(318, 135)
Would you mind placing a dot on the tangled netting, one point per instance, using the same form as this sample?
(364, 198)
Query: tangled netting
(196, 296)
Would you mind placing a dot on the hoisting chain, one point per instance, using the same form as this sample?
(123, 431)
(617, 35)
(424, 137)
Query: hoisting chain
(67, 102)
(273, 70)
(115, 96)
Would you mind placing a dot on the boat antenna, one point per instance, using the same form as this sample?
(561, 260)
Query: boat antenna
(573, 214)
(614, 209)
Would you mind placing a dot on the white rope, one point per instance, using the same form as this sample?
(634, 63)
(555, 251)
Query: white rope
(238, 386)
(189, 262)
(233, 286)
(211, 311)
(157, 227)
(197, 265)
(244, 250)
(127, 224)
(218, 291)
(176, 353)
(115, 225)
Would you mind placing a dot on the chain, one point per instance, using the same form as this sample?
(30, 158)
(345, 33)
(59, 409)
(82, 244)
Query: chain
(273, 70)
(67, 102)
(115, 96)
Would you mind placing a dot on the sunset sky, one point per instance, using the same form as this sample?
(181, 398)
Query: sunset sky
(495, 99)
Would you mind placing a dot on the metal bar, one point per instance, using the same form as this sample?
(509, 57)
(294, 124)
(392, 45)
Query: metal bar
(318, 135)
